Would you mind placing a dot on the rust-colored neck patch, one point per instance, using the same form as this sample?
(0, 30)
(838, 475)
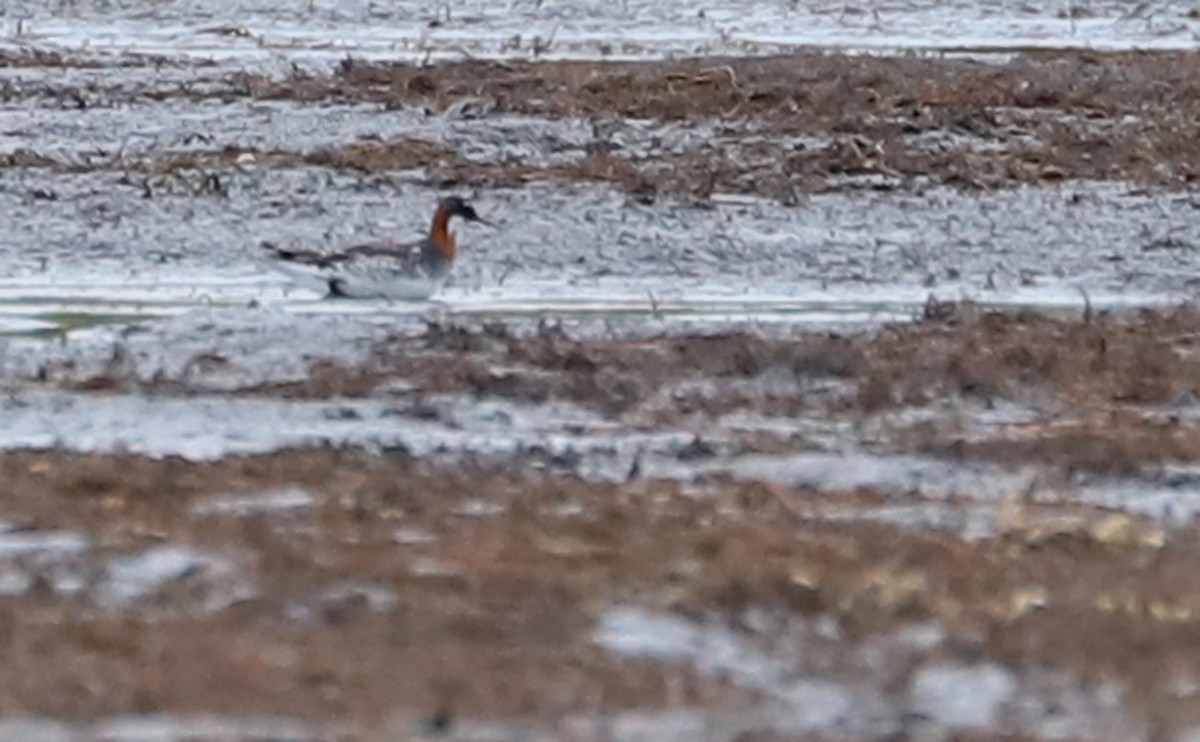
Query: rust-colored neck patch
(440, 234)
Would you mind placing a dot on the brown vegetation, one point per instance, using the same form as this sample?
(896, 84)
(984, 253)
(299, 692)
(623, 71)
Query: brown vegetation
(784, 126)
(501, 627)
(1108, 385)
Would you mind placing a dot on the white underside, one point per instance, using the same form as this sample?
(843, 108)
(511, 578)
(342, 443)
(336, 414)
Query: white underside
(362, 286)
(399, 289)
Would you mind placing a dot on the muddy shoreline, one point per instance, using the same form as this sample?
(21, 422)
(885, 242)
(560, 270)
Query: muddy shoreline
(312, 583)
(777, 127)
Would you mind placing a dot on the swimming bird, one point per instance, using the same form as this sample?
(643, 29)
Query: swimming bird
(408, 271)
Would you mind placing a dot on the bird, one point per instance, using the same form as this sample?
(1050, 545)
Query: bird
(407, 271)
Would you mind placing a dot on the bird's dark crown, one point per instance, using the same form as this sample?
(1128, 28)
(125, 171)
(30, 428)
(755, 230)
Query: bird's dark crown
(457, 206)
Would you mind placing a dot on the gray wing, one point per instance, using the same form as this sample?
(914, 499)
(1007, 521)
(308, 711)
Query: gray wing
(370, 256)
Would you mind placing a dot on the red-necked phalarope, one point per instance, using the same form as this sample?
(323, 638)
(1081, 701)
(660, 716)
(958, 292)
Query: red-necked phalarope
(407, 271)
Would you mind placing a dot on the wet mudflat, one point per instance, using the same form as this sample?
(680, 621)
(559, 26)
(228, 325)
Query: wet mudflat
(801, 183)
(804, 396)
(978, 523)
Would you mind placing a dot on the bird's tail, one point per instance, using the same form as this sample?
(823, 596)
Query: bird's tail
(277, 250)
(288, 253)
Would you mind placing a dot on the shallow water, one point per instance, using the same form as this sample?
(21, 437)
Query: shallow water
(101, 253)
